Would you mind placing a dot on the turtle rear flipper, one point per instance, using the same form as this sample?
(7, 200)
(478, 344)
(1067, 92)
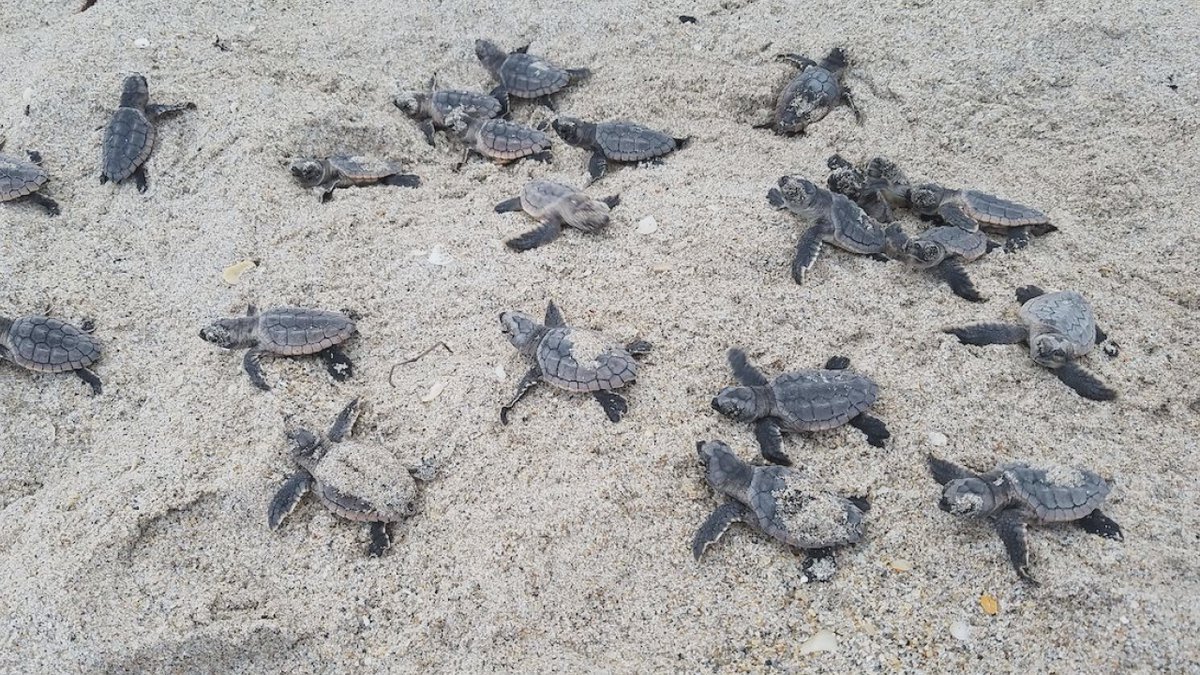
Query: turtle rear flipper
(92, 380)
(337, 363)
(540, 236)
(612, 202)
(614, 404)
(1042, 229)
(500, 93)
(717, 523)
(1084, 383)
(1014, 532)
(381, 540)
(837, 363)
(45, 202)
(407, 180)
(288, 496)
(990, 334)
(819, 565)
(873, 428)
(1101, 525)
(1017, 239)
(953, 273)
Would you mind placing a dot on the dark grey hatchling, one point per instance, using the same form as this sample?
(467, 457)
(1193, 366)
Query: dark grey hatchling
(498, 140)
(972, 210)
(616, 142)
(835, 220)
(878, 188)
(1059, 329)
(47, 345)
(358, 481)
(129, 137)
(556, 205)
(782, 503)
(23, 180)
(429, 108)
(285, 331)
(813, 93)
(1013, 496)
(812, 399)
(324, 175)
(525, 75)
(942, 250)
(571, 358)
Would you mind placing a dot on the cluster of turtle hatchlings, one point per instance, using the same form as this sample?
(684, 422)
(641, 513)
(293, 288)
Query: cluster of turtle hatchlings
(856, 211)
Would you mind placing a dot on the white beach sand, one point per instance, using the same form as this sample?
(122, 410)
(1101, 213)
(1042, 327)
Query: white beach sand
(132, 525)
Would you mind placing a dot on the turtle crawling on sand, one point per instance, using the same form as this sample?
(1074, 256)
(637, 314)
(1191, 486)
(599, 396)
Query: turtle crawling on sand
(835, 219)
(941, 250)
(21, 179)
(1059, 329)
(847, 179)
(617, 142)
(429, 108)
(129, 137)
(814, 92)
(555, 205)
(972, 210)
(324, 175)
(525, 75)
(811, 399)
(1015, 495)
(571, 358)
(356, 481)
(285, 331)
(47, 345)
(781, 502)
(498, 140)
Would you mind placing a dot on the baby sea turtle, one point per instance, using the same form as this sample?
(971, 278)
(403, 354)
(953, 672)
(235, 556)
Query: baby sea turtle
(811, 399)
(327, 174)
(571, 358)
(498, 140)
(356, 481)
(43, 344)
(835, 219)
(129, 137)
(847, 179)
(781, 502)
(429, 108)
(1058, 327)
(21, 179)
(810, 96)
(556, 205)
(941, 250)
(616, 141)
(524, 75)
(285, 331)
(972, 210)
(1014, 495)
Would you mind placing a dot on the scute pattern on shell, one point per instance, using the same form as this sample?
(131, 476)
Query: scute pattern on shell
(19, 178)
(128, 141)
(365, 482)
(957, 241)
(48, 345)
(853, 228)
(291, 331)
(538, 195)
(793, 510)
(628, 142)
(807, 98)
(1064, 312)
(502, 139)
(812, 400)
(360, 170)
(997, 212)
(1050, 500)
(529, 76)
(582, 360)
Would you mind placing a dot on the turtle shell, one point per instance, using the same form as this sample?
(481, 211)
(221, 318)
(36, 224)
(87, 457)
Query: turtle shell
(1064, 312)
(957, 241)
(853, 229)
(1055, 493)
(808, 98)
(793, 510)
(529, 76)
(815, 399)
(292, 331)
(364, 482)
(539, 195)
(501, 139)
(128, 140)
(584, 360)
(363, 170)
(19, 178)
(475, 104)
(997, 213)
(48, 345)
(628, 142)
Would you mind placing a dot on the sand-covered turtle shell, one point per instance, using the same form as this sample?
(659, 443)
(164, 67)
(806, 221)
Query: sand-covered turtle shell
(815, 399)
(19, 178)
(1054, 493)
(544, 199)
(792, 509)
(501, 139)
(477, 105)
(48, 345)
(584, 360)
(292, 331)
(1066, 313)
(365, 482)
(806, 99)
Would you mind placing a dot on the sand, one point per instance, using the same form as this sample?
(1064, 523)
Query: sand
(133, 526)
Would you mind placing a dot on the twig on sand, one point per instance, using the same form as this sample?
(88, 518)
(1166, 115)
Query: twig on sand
(417, 357)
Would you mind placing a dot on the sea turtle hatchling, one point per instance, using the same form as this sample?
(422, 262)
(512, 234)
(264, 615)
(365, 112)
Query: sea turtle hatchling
(358, 481)
(498, 140)
(972, 210)
(617, 141)
(811, 399)
(1058, 327)
(47, 345)
(941, 250)
(429, 108)
(555, 205)
(525, 75)
(129, 137)
(835, 219)
(571, 358)
(781, 502)
(324, 175)
(21, 179)
(1015, 495)
(847, 179)
(285, 331)
(813, 93)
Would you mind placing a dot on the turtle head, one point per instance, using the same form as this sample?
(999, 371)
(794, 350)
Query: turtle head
(800, 193)
(1050, 350)
(309, 171)
(415, 104)
(574, 131)
(135, 93)
(491, 56)
(744, 404)
(925, 199)
(521, 330)
(230, 333)
(969, 497)
(722, 468)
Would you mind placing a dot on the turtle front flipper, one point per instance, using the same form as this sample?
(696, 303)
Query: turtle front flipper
(1084, 383)
(509, 205)
(639, 348)
(808, 249)
(91, 378)
(543, 234)
(406, 180)
(547, 101)
(837, 363)
(140, 179)
(531, 378)
(500, 93)
(614, 404)
(288, 496)
(1101, 525)
(770, 441)
(426, 127)
(252, 363)
(715, 526)
(952, 272)
(597, 166)
(990, 334)
(797, 60)
(954, 215)
(157, 111)
(873, 428)
(1027, 293)
(819, 565)
(381, 540)
(944, 472)
(847, 99)
(553, 317)
(1014, 532)
(743, 372)
(45, 202)
(1017, 239)
(344, 422)
(340, 367)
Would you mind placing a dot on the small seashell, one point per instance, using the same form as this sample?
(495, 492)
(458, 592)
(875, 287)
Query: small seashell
(500, 374)
(141, 43)
(647, 225)
(900, 565)
(821, 641)
(989, 603)
(27, 95)
(937, 439)
(438, 256)
(434, 391)
(235, 271)
(960, 630)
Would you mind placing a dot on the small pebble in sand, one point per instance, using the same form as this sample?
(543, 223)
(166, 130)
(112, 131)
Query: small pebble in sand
(434, 391)
(989, 603)
(141, 43)
(500, 374)
(438, 256)
(822, 641)
(235, 271)
(900, 565)
(647, 225)
(937, 439)
(27, 95)
(960, 630)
